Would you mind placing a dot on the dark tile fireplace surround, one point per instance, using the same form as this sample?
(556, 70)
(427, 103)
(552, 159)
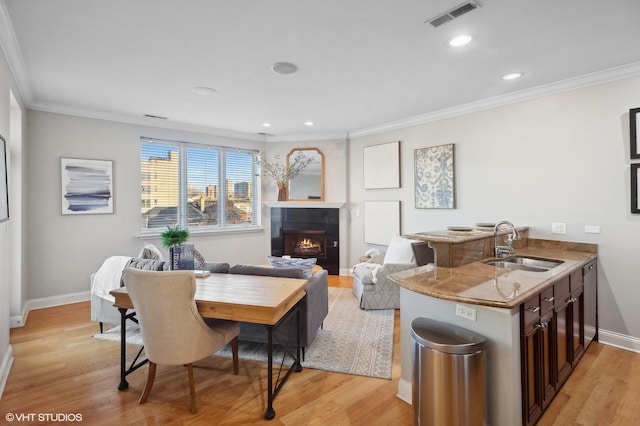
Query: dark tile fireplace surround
(306, 233)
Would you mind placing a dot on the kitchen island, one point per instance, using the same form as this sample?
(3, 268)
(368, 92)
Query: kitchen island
(492, 300)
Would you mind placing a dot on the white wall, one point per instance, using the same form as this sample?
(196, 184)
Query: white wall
(10, 232)
(560, 158)
(64, 250)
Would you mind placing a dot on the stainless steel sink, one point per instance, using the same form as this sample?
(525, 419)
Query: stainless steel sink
(525, 263)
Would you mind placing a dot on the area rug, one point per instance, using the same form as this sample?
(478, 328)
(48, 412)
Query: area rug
(352, 341)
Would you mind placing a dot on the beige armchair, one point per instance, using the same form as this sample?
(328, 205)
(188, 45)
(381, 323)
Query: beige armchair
(371, 283)
(173, 332)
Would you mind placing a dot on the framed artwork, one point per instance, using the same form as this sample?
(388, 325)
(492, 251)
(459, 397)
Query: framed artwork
(87, 186)
(382, 166)
(381, 221)
(634, 120)
(635, 197)
(434, 177)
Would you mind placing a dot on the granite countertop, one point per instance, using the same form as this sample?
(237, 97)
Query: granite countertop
(453, 236)
(481, 284)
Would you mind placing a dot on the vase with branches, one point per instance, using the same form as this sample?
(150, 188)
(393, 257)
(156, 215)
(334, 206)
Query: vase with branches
(282, 173)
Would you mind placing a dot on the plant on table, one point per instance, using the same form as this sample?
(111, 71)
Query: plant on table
(174, 236)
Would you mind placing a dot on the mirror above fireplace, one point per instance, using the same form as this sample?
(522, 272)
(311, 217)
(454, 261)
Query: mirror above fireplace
(310, 185)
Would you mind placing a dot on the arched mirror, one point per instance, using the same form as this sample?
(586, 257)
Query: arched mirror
(309, 186)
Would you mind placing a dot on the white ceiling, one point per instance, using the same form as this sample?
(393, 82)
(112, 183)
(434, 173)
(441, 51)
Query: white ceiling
(362, 63)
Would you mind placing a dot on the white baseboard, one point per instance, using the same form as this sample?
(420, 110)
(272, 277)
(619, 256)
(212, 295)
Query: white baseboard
(618, 340)
(346, 272)
(5, 366)
(404, 390)
(47, 302)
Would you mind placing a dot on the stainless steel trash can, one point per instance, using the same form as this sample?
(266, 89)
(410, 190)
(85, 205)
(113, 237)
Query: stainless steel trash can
(448, 374)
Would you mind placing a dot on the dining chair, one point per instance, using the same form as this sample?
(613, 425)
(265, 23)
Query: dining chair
(173, 332)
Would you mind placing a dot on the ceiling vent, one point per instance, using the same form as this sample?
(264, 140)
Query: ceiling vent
(155, 117)
(456, 12)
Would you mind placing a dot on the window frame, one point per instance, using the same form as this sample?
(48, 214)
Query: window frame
(182, 218)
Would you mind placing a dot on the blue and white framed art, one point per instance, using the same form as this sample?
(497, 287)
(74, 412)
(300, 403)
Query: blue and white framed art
(87, 186)
(434, 177)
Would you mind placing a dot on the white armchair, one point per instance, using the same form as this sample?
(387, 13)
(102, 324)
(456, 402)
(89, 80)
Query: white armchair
(371, 284)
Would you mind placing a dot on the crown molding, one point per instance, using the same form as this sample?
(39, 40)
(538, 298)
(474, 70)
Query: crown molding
(145, 121)
(11, 49)
(612, 74)
(10, 46)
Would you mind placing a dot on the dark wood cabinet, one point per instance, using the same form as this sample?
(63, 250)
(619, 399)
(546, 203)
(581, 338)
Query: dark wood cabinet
(537, 340)
(552, 340)
(563, 327)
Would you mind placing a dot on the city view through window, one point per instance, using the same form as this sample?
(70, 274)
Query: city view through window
(180, 185)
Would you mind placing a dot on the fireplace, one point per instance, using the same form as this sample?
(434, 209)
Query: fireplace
(306, 233)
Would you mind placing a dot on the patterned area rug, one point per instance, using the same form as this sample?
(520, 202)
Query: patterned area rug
(352, 341)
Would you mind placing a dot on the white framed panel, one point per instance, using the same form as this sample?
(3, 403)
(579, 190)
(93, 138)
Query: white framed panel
(382, 166)
(381, 221)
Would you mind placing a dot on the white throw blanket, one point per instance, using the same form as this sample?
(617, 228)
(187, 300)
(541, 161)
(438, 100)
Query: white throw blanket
(108, 276)
(373, 267)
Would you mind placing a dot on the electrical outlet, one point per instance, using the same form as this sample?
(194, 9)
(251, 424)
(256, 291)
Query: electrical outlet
(558, 228)
(466, 312)
(591, 229)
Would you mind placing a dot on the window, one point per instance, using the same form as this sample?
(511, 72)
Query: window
(196, 186)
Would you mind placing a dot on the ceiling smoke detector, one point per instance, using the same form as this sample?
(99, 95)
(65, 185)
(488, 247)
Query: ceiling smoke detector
(456, 12)
(284, 68)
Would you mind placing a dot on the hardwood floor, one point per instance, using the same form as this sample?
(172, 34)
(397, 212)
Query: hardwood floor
(60, 370)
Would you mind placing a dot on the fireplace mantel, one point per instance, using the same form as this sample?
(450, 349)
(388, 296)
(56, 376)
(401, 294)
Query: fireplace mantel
(303, 204)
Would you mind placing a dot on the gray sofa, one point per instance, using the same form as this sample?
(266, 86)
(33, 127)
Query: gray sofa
(313, 308)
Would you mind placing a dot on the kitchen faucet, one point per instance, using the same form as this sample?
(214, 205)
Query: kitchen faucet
(503, 251)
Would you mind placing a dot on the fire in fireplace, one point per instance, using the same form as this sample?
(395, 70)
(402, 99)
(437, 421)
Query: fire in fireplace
(307, 232)
(305, 243)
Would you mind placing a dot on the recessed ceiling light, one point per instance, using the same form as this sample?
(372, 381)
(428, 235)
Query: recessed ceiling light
(512, 76)
(284, 68)
(204, 91)
(460, 40)
(266, 124)
(309, 123)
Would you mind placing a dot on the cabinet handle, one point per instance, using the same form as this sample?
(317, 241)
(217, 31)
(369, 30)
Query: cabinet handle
(542, 325)
(549, 299)
(533, 310)
(573, 300)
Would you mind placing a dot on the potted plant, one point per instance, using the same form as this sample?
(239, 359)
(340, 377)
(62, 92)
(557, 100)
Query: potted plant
(282, 173)
(174, 238)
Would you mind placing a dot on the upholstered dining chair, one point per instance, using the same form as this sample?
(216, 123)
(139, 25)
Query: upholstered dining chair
(173, 332)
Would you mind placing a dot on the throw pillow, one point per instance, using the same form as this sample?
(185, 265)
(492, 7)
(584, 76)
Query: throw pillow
(149, 251)
(306, 265)
(266, 271)
(399, 251)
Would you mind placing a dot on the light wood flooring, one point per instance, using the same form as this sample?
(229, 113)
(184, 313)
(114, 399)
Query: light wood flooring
(59, 369)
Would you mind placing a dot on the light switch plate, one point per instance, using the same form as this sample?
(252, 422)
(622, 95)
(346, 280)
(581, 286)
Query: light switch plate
(558, 228)
(592, 229)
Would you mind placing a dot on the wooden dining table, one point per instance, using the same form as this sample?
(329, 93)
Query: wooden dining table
(244, 298)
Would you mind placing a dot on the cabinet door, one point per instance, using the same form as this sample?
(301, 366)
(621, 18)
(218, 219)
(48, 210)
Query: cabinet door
(531, 375)
(547, 361)
(577, 326)
(563, 327)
